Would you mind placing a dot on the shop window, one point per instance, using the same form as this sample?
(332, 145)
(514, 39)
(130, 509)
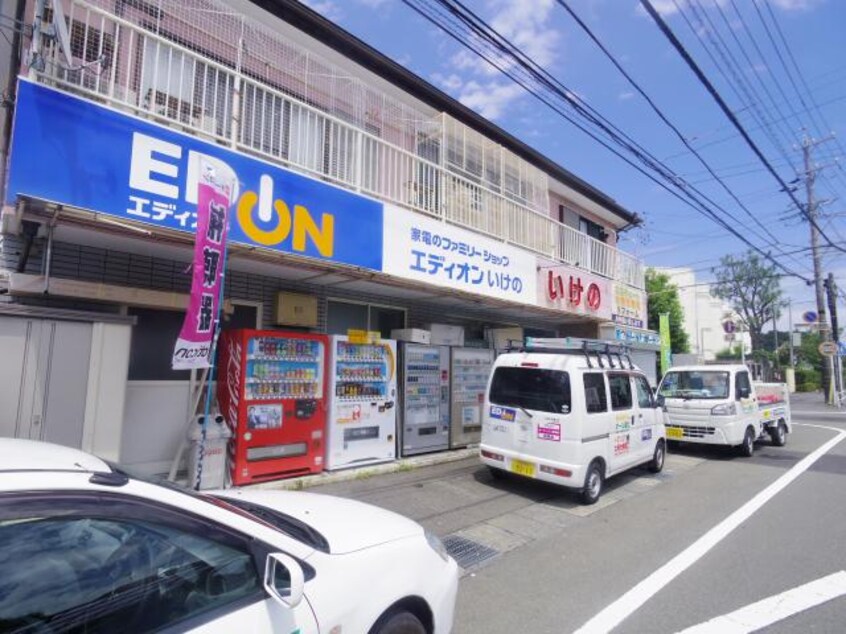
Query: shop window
(151, 350)
(344, 316)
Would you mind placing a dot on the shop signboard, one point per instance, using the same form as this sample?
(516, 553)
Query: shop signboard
(628, 306)
(573, 290)
(84, 155)
(434, 252)
(638, 338)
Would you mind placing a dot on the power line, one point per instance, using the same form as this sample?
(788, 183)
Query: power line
(665, 29)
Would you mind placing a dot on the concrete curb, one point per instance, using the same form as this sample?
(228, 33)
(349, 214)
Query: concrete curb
(361, 473)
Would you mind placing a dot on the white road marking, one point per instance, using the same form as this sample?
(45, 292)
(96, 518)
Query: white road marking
(631, 601)
(777, 608)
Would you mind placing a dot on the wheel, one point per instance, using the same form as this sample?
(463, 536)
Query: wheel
(496, 474)
(657, 463)
(593, 484)
(778, 434)
(747, 448)
(398, 623)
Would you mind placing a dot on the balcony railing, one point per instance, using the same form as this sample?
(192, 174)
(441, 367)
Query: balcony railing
(129, 67)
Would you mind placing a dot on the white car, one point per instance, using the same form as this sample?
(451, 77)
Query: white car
(86, 548)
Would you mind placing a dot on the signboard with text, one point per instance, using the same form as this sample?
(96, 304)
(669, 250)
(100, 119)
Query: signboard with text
(434, 252)
(573, 290)
(77, 153)
(628, 306)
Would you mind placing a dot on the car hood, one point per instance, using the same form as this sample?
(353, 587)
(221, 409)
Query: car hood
(346, 524)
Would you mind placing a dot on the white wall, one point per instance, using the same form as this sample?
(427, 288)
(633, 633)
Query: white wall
(703, 314)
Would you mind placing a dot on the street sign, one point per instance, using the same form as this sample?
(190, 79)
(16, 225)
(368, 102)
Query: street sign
(729, 327)
(828, 348)
(810, 316)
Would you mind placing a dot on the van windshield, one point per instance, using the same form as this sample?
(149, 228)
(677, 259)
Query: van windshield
(531, 388)
(688, 384)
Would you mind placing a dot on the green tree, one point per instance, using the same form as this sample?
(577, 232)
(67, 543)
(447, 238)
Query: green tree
(663, 297)
(752, 287)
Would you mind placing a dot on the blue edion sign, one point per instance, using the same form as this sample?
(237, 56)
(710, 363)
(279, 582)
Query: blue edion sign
(77, 153)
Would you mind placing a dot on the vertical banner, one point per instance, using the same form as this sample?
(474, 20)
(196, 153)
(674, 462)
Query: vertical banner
(664, 334)
(193, 347)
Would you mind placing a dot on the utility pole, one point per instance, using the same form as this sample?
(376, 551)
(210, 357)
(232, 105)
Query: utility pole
(790, 336)
(808, 145)
(831, 289)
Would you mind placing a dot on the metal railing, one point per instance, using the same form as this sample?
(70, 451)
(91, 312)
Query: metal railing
(128, 67)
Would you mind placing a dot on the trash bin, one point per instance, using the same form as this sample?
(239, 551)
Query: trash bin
(215, 453)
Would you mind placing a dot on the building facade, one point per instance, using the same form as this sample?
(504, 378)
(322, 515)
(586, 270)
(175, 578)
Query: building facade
(705, 316)
(363, 192)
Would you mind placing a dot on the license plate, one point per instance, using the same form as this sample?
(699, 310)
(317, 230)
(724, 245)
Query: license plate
(523, 468)
(675, 432)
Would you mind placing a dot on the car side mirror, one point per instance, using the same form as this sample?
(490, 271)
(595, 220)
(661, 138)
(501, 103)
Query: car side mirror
(743, 392)
(284, 579)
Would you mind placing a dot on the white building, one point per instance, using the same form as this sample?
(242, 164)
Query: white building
(704, 315)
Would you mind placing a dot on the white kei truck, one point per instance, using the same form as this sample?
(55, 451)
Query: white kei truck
(721, 405)
(570, 412)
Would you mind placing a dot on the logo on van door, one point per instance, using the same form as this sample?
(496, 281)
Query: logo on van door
(503, 413)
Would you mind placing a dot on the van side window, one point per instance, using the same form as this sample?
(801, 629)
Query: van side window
(742, 387)
(644, 394)
(621, 391)
(595, 399)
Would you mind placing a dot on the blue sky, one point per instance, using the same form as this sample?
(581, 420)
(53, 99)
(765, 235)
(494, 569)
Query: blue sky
(674, 234)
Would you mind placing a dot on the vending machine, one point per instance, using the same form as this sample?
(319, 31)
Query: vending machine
(470, 370)
(271, 388)
(424, 398)
(362, 423)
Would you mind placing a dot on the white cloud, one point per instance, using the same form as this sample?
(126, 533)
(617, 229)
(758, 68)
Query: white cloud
(625, 96)
(450, 82)
(796, 5)
(327, 8)
(488, 99)
(373, 4)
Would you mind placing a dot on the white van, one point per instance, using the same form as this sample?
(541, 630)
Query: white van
(721, 405)
(572, 413)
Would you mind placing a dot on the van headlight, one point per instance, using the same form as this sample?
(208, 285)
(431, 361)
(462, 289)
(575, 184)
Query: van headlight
(437, 545)
(726, 409)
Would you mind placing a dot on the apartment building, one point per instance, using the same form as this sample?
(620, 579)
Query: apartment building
(365, 193)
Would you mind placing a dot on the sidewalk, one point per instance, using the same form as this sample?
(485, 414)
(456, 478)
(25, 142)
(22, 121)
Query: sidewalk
(812, 403)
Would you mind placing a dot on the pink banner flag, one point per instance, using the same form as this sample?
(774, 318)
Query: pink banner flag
(193, 347)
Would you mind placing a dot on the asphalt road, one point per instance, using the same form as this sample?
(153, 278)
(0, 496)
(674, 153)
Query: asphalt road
(557, 565)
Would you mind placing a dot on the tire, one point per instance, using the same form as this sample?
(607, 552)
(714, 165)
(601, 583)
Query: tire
(398, 623)
(594, 480)
(497, 474)
(657, 463)
(747, 447)
(778, 435)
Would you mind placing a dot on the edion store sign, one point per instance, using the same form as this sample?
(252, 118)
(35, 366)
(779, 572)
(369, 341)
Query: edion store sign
(573, 290)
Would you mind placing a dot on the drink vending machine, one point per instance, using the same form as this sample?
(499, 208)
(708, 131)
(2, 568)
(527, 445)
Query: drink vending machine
(471, 369)
(271, 388)
(424, 398)
(363, 396)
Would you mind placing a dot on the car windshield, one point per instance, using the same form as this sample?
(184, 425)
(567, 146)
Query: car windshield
(531, 388)
(699, 384)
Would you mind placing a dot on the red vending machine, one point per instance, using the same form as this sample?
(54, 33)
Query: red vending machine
(271, 388)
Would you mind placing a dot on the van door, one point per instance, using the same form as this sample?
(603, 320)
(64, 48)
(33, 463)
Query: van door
(747, 405)
(646, 419)
(623, 452)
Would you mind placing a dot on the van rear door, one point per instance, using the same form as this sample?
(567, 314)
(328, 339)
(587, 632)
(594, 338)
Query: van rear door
(538, 402)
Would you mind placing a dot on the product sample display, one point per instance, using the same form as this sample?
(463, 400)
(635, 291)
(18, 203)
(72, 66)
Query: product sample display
(271, 391)
(424, 395)
(363, 403)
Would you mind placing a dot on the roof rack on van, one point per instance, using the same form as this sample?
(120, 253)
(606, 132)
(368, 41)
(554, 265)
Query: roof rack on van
(570, 345)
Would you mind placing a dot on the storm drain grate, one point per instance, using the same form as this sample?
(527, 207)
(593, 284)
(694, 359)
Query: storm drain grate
(466, 552)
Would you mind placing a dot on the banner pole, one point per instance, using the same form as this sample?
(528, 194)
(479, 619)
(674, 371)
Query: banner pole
(212, 363)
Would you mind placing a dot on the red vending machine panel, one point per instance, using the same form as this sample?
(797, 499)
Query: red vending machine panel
(271, 389)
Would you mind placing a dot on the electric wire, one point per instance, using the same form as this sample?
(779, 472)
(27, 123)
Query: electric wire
(676, 43)
(480, 29)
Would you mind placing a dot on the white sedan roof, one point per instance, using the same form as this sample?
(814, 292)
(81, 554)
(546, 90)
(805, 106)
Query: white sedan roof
(30, 455)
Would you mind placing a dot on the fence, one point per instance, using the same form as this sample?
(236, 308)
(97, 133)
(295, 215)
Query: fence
(215, 93)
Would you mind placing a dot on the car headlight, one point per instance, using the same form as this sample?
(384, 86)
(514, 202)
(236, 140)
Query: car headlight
(727, 409)
(437, 545)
